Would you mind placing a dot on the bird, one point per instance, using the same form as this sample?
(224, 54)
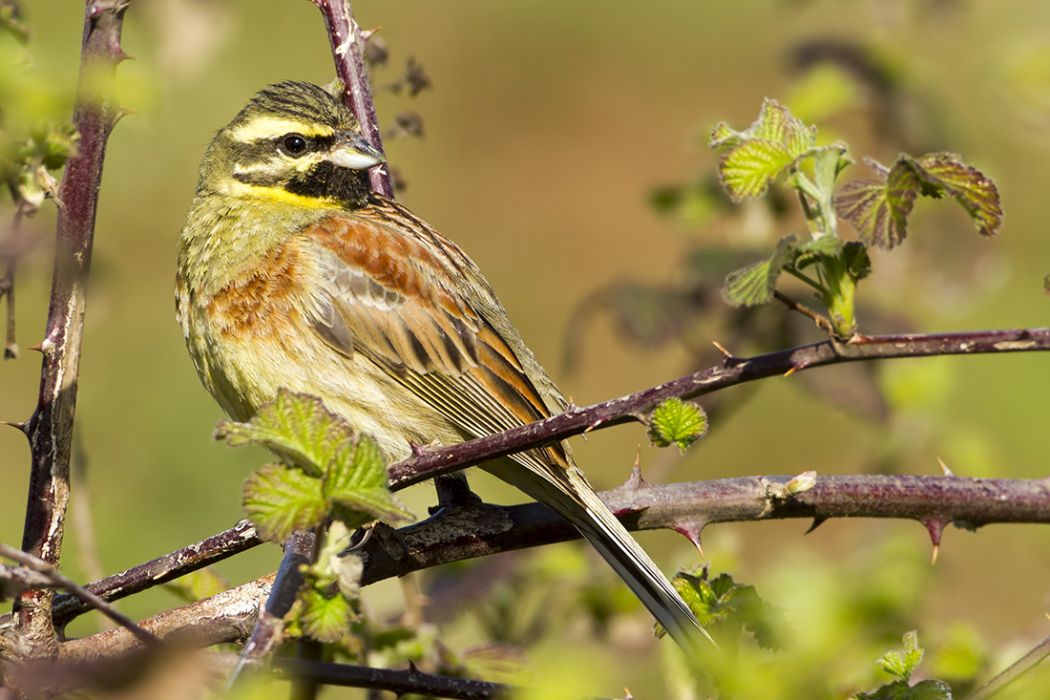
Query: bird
(293, 275)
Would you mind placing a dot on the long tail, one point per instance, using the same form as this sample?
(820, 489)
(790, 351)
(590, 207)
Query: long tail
(576, 501)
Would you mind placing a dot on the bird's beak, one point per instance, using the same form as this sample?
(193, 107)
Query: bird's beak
(353, 152)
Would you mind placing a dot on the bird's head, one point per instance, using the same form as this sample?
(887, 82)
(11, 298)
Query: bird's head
(292, 142)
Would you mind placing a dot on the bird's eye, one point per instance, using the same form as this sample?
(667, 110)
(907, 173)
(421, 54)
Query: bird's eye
(294, 145)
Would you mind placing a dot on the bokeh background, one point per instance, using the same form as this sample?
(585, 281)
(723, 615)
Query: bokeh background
(548, 127)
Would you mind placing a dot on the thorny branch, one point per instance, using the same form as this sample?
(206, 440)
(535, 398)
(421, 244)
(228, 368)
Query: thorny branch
(347, 49)
(576, 420)
(50, 428)
(410, 681)
(56, 579)
(460, 533)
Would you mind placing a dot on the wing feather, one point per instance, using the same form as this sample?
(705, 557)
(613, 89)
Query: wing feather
(390, 296)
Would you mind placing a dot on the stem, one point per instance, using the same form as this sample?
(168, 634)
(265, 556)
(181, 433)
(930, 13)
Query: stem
(239, 538)
(1014, 671)
(58, 579)
(840, 297)
(50, 429)
(576, 420)
(347, 48)
(410, 681)
(481, 529)
(299, 550)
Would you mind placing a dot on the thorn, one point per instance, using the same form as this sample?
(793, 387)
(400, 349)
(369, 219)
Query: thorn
(797, 367)
(691, 531)
(20, 427)
(944, 467)
(635, 481)
(39, 347)
(592, 426)
(367, 34)
(722, 349)
(934, 526)
(119, 54)
(416, 448)
(817, 522)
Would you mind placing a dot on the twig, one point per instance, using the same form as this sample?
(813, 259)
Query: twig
(461, 533)
(821, 322)
(347, 48)
(50, 429)
(428, 463)
(226, 617)
(60, 580)
(476, 530)
(1014, 671)
(269, 629)
(239, 538)
(402, 682)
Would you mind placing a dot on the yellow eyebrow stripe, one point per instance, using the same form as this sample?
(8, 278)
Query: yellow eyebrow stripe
(262, 128)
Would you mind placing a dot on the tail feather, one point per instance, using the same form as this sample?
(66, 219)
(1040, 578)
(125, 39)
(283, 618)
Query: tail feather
(607, 535)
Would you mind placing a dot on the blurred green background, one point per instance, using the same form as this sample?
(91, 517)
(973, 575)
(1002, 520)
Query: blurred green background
(548, 125)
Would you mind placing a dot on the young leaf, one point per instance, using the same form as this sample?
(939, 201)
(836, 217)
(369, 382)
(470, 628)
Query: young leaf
(971, 188)
(677, 422)
(903, 664)
(811, 251)
(722, 602)
(754, 285)
(899, 690)
(858, 264)
(357, 480)
(747, 170)
(279, 500)
(295, 426)
(333, 565)
(326, 619)
(879, 209)
(762, 153)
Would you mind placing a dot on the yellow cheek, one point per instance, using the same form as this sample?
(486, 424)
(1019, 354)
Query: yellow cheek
(274, 194)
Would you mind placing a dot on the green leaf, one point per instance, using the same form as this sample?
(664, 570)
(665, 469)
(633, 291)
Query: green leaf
(858, 264)
(722, 603)
(828, 163)
(279, 500)
(900, 690)
(334, 565)
(762, 153)
(677, 422)
(325, 618)
(755, 284)
(971, 188)
(811, 251)
(747, 170)
(357, 480)
(298, 428)
(903, 664)
(879, 209)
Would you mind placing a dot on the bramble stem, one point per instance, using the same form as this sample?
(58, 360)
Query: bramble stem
(50, 429)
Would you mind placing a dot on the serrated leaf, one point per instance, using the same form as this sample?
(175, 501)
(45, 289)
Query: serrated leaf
(762, 153)
(899, 690)
(357, 479)
(811, 251)
(325, 618)
(902, 664)
(879, 209)
(747, 169)
(297, 427)
(754, 285)
(677, 422)
(828, 163)
(279, 500)
(858, 264)
(971, 188)
(776, 125)
(722, 601)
